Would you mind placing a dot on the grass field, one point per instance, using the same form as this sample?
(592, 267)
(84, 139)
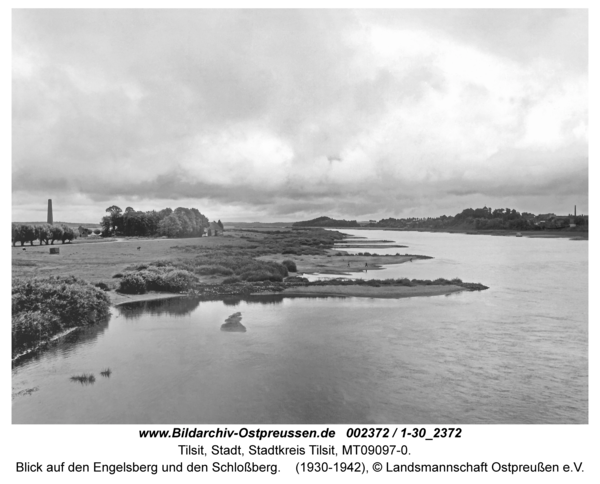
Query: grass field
(99, 261)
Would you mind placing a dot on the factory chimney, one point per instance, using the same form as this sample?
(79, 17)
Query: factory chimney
(50, 219)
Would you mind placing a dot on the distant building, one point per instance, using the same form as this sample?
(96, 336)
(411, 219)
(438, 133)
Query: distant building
(214, 229)
(83, 232)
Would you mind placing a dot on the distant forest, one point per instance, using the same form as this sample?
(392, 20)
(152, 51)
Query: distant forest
(181, 222)
(487, 219)
(469, 219)
(326, 222)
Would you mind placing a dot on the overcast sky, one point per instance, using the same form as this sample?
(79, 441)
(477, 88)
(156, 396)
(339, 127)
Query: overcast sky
(291, 114)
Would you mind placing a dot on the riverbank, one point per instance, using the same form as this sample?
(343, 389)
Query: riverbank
(42, 345)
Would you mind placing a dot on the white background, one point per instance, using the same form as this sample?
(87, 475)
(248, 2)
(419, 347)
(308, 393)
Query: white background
(54, 444)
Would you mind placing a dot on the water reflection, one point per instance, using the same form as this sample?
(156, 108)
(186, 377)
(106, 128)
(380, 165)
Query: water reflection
(184, 305)
(180, 306)
(267, 299)
(63, 346)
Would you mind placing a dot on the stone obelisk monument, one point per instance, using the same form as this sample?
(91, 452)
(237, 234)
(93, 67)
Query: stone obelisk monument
(50, 220)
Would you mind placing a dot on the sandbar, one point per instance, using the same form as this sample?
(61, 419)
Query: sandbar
(385, 292)
(117, 298)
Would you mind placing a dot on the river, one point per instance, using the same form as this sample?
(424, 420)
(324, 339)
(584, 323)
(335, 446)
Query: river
(516, 353)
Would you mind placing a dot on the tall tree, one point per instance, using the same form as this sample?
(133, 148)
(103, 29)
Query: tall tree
(115, 215)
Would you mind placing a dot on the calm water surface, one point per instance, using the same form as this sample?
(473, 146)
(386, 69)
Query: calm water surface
(516, 353)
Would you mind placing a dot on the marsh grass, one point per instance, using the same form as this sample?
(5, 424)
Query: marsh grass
(167, 278)
(106, 373)
(84, 379)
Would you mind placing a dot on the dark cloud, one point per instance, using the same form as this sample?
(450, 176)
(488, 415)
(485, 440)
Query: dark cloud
(298, 112)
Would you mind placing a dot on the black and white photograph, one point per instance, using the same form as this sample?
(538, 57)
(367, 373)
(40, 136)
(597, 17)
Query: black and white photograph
(300, 216)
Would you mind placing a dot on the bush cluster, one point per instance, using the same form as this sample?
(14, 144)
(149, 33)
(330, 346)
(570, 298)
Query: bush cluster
(290, 265)
(43, 307)
(161, 276)
(472, 286)
(246, 268)
(153, 278)
(132, 283)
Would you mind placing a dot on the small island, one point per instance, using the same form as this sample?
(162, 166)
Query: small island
(233, 324)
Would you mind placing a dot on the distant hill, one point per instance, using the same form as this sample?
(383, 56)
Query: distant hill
(240, 225)
(326, 222)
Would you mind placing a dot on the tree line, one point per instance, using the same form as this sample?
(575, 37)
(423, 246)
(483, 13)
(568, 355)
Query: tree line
(45, 233)
(487, 219)
(181, 222)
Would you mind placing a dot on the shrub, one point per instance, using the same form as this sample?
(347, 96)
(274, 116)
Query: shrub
(161, 263)
(153, 279)
(179, 280)
(137, 267)
(132, 283)
(262, 276)
(73, 300)
(290, 265)
(276, 268)
(213, 270)
(117, 275)
(43, 307)
(232, 280)
(97, 231)
(101, 285)
(29, 328)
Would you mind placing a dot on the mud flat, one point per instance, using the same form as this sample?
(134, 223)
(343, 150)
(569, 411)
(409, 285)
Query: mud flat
(342, 264)
(387, 292)
(117, 298)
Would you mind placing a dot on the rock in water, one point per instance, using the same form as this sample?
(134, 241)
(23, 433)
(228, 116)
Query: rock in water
(232, 323)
